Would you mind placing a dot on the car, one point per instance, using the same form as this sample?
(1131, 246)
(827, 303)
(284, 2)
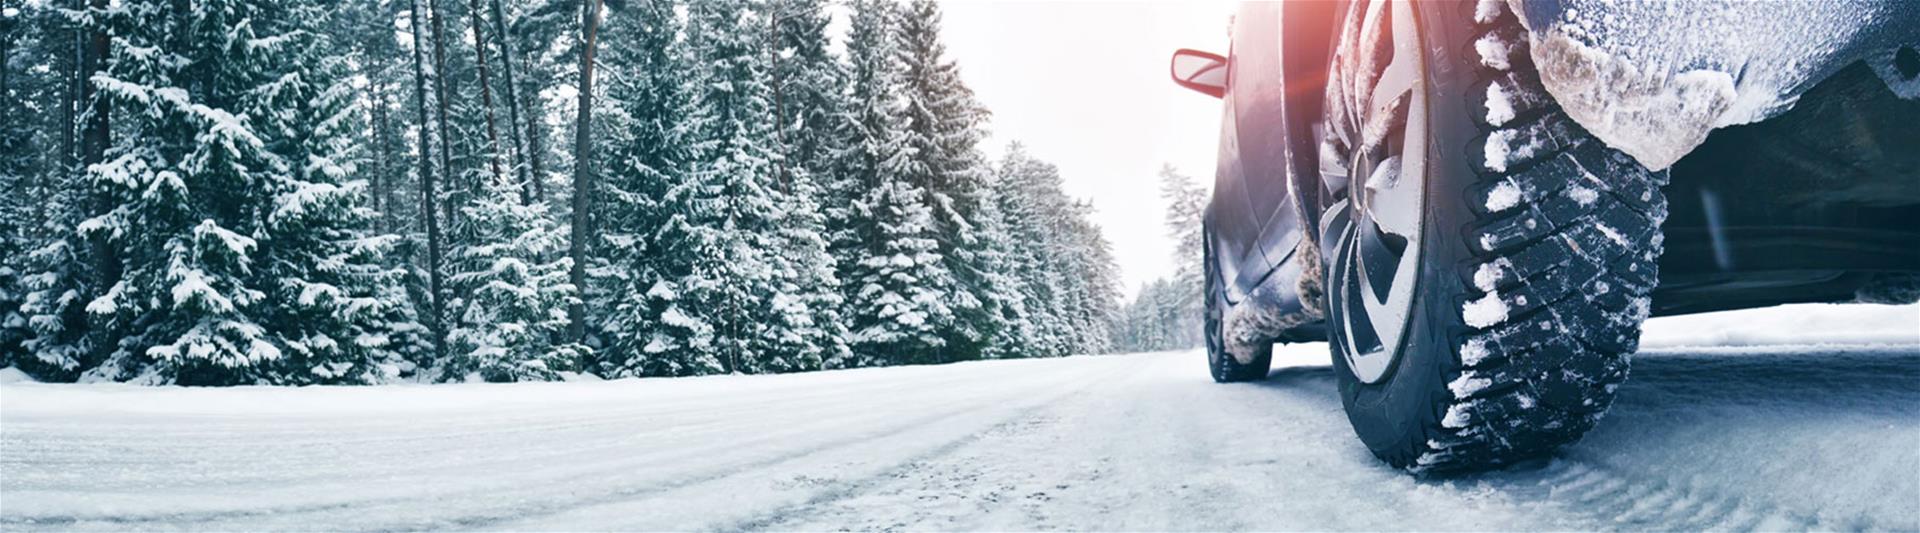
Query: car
(1477, 204)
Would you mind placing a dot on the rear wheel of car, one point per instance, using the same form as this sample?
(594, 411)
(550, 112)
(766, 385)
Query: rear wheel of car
(1488, 261)
(1221, 363)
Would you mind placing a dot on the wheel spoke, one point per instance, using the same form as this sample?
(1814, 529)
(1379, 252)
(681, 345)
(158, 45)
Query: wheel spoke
(1393, 200)
(1376, 265)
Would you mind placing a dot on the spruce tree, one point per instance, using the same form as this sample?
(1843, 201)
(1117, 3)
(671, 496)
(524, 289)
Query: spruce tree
(646, 155)
(899, 288)
(806, 82)
(1186, 206)
(226, 204)
(334, 305)
(943, 129)
(510, 297)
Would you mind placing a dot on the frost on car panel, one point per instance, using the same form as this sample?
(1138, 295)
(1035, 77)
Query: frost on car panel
(1653, 78)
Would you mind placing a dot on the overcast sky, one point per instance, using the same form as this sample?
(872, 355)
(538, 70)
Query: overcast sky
(1084, 85)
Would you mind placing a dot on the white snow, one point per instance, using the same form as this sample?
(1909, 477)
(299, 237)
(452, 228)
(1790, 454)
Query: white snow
(1813, 324)
(14, 375)
(1583, 195)
(1612, 234)
(1487, 10)
(1467, 384)
(1488, 275)
(1761, 436)
(1621, 70)
(1503, 196)
(1487, 311)
(1499, 150)
(1474, 352)
(1458, 415)
(1499, 105)
(1493, 51)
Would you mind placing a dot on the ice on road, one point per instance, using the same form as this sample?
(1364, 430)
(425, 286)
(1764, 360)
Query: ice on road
(1757, 429)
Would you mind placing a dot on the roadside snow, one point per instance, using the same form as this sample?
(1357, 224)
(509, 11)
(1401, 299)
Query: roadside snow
(1811, 324)
(14, 375)
(1813, 434)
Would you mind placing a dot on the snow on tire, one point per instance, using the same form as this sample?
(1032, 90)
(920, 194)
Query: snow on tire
(1540, 253)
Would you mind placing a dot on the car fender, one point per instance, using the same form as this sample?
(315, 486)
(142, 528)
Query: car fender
(1652, 79)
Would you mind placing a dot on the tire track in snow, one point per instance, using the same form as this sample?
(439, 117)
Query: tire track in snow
(1769, 438)
(842, 491)
(826, 489)
(841, 403)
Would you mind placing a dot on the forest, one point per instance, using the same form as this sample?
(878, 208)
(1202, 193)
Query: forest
(295, 192)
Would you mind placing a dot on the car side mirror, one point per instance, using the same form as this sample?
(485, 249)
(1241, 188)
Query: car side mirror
(1202, 72)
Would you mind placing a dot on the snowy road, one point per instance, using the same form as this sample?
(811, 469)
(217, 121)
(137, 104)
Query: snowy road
(1763, 435)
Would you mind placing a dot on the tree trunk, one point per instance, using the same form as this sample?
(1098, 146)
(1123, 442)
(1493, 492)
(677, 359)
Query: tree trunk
(536, 149)
(582, 169)
(486, 89)
(440, 102)
(7, 34)
(69, 113)
(93, 149)
(513, 100)
(429, 191)
(383, 180)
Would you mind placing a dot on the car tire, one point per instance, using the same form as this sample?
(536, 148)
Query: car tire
(1517, 274)
(1221, 363)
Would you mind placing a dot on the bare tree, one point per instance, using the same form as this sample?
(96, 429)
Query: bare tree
(583, 168)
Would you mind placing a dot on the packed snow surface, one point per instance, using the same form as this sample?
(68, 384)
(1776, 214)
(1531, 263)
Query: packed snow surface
(1809, 421)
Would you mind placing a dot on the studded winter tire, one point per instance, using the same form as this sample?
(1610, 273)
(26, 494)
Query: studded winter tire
(1488, 261)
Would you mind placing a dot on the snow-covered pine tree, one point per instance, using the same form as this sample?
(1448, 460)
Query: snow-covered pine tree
(944, 127)
(19, 158)
(899, 289)
(1186, 206)
(510, 292)
(54, 281)
(338, 311)
(55, 271)
(1093, 279)
(181, 189)
(1005, 291)
(646, 155)
(806, 85)
(231, 139)
(1066, 263)
(1025, 186)
(759, 276)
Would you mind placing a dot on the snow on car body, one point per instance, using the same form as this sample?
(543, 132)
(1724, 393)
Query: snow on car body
(1471, 200)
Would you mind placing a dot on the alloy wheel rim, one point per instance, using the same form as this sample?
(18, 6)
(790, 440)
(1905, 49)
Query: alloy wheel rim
(1379, 223)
